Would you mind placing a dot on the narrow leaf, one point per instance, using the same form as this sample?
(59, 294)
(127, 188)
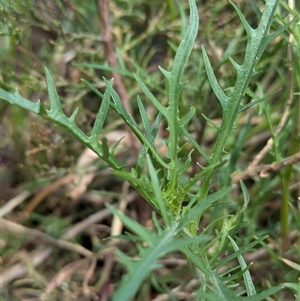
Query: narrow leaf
(150, 95)
(56, 109)
(17, 99)
(246, 275)
(142, 268)
(237, 67)
(184, 120)
(73, 116)
(196, 145)
(158, 193)
(198, 209)
(102, 113)
(249, 30)
(144, 116)
(216, 126)
(132, 224)
(222, 97)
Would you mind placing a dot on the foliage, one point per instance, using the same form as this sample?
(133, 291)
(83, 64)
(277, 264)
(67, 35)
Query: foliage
(165, 180)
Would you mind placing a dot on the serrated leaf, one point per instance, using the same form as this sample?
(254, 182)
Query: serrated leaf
(174, 87)
(256, 44)
(185, 48)
(141, 269)
(119, 108)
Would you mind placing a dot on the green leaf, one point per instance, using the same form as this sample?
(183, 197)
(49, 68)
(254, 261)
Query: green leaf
(102, 113)
(174, 85)
(140, 269)
(222, 292)
(242, 250)
(17, 99)
(56, 111)
(200, 207)
(245, 195)
(144, 116)
(246, 275)
(119, 108)
(222, 97)
(257, 41)
(132, 224)
(264, 294)
(213, 124)
(150, 95)
(156, 186)
(187, 241)
(184, 120)
(196, 145)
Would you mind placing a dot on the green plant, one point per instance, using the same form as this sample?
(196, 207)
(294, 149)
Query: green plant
(162, 180)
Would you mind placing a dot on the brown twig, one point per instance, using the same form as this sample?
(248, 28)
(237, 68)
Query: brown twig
(14, 202)
(63, 274)
(39, 256)
(88, 276)
(14, 228)
(265, 170)
(116, 224)
(186, 295)
(263, 252)
(47, 190)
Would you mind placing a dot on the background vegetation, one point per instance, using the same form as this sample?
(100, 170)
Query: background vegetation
(54, 191)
